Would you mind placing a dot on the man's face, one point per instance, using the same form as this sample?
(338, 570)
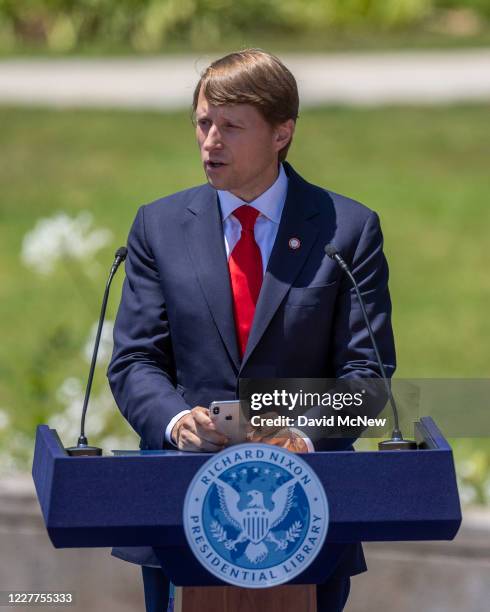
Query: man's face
(239, 149)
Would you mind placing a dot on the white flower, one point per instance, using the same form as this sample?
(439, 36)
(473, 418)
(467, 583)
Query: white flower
(7, 462)
(467, 494)
(106, 342)
(467, 468)
(67, 423)
(4, 419)
(61, 236)
(70, 389)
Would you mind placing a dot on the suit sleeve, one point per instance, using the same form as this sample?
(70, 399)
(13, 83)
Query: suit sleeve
(142, 372)
(352, 352)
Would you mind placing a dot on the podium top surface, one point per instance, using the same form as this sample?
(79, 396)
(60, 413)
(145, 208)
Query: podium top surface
(428, 436)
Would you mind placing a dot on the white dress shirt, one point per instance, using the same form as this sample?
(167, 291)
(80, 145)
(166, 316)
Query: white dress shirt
(270, 205)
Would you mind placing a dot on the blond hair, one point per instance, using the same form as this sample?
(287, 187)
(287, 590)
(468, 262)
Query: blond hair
(254, 77)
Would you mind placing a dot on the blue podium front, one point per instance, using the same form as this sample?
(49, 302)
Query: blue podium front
(136, 499)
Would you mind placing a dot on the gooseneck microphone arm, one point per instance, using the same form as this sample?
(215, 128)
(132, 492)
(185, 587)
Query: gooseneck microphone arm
(331, 251)
(397, 442)
(82, 447)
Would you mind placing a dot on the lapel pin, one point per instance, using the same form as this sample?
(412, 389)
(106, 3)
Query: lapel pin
(294, 243)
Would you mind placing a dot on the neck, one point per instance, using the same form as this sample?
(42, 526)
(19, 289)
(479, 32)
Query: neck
(251, 192)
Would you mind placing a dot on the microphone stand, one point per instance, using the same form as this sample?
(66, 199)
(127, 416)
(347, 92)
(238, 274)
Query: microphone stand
(82, 449)
(397, 441)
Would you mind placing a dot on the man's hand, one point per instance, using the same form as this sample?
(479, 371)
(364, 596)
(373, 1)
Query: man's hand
(284, 437)
(196, 432)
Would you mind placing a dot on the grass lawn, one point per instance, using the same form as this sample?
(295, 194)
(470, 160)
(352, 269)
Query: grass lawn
(424, 170)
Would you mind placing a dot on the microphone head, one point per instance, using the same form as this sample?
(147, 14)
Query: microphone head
(331, 250)
(121, 253)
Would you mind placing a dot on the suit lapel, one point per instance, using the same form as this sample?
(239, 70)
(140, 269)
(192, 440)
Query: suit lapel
(203, 229)
(297, 221)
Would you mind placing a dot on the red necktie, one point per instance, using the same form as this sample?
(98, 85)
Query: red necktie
(245, 263)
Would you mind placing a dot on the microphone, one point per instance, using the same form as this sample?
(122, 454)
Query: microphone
(82, 448)
(397, 442)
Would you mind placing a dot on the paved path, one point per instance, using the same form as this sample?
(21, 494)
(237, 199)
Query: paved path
(168, 82)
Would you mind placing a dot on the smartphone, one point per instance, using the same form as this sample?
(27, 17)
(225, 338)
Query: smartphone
(229, 420)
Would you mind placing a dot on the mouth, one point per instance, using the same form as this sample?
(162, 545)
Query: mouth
(214, 164)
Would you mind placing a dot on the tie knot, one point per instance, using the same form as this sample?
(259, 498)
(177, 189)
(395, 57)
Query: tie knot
(247, 215)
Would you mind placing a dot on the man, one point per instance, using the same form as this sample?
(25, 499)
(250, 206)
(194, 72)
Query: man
(229, 280)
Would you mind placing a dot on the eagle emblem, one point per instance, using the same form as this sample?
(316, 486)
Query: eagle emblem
(256, 522)
(255, 515)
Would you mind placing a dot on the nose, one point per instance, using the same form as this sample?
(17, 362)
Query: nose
(213, 139)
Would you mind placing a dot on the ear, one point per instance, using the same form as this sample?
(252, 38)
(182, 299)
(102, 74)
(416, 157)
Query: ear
(283, 134)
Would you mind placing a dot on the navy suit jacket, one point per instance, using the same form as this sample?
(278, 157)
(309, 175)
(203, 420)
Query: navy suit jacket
(175, 344)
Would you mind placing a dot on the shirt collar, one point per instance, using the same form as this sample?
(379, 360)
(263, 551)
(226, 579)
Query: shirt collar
(270, 203)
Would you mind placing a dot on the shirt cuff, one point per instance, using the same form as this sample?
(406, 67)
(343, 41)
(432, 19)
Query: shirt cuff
(308, 442)
(170, 426)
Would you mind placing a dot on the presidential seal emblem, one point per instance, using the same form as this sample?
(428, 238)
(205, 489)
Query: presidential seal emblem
(255, 515)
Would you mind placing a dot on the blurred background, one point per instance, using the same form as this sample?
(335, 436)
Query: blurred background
(148, 26)
(95, 121)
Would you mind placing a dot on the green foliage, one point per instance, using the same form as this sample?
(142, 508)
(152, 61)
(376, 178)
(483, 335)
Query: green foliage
(149, 25)
(479, 6)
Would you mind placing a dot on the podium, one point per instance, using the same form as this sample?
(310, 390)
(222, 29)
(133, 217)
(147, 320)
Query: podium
(136, 499)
